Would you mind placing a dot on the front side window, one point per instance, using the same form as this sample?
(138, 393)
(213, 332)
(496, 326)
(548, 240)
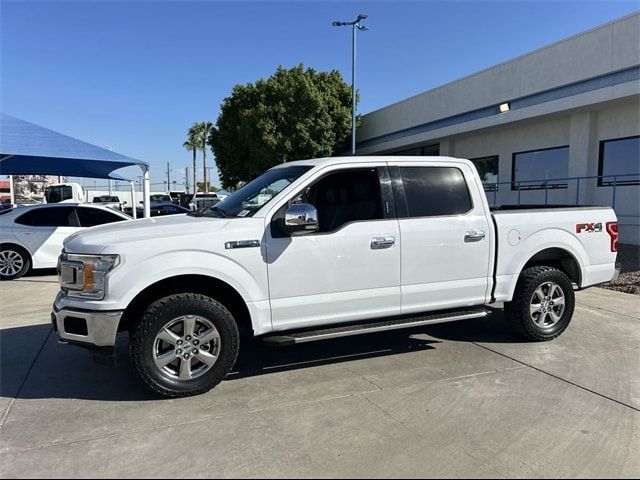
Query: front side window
(540, 169)
(620, 157)
(435, 191)
(345, 196)
(488, 171)
(49, 217)
(90, 217)
(255, 194)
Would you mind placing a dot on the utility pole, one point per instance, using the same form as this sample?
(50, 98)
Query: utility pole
(355, 26)
(168, 179)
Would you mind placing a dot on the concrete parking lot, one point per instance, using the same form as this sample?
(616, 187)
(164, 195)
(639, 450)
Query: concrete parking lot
(460, 400)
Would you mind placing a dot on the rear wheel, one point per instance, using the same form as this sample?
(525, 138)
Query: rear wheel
(14, 262)
(542, 305)
(184, 345)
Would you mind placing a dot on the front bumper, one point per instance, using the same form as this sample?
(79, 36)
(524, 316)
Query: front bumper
(86, 328)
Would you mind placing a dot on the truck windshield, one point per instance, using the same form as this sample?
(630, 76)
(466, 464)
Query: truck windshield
(255, 194)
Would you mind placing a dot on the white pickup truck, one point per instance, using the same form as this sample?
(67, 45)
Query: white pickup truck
(334, 247)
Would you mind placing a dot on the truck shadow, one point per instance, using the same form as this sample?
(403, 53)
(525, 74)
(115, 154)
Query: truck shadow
(42, 368)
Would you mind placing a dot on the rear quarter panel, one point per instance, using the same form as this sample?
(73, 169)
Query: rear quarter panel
(522, 234)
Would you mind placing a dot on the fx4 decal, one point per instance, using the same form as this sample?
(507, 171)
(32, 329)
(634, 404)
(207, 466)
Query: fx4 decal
(588, 227)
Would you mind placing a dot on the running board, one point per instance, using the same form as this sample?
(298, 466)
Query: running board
(373, 327)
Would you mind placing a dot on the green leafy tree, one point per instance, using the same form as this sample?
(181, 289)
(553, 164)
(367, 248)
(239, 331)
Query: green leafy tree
(295, 114)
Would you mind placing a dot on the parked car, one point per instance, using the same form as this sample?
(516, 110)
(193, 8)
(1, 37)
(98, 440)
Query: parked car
(160, 199)
(200, 201)
(110, 201)
(32, 237)
(168, 209)
(339, 247)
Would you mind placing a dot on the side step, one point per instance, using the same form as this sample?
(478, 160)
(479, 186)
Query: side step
(373, 327)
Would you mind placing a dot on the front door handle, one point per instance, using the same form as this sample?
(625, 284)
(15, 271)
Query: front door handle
(379, 243)
(474, 236)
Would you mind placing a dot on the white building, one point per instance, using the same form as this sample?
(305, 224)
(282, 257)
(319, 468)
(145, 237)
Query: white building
(557, 125)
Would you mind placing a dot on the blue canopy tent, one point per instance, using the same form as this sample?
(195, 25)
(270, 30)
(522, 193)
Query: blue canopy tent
(29, 149)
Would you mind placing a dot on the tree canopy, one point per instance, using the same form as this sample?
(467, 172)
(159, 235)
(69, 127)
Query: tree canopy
(294, 114)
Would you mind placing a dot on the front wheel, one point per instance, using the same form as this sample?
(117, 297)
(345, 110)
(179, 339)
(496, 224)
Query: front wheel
(184, 345)
(542, 305)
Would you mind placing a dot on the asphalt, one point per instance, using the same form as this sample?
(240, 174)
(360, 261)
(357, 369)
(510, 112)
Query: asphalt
(466, 399)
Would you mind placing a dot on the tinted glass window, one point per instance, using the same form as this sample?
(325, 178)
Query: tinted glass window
(90, 217)
(344, 197)
(488, 171)
(620, 157)
(58, 194)
(49, 217)
(541, 167)
(434, 191)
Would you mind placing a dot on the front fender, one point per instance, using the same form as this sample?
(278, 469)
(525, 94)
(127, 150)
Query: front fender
(248, 279)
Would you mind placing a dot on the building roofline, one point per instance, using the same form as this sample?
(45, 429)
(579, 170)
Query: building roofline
(519, 57)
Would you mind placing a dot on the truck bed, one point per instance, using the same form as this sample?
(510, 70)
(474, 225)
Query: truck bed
(528, 232)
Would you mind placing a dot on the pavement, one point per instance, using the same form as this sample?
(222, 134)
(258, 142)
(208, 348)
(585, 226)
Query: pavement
(466, 399)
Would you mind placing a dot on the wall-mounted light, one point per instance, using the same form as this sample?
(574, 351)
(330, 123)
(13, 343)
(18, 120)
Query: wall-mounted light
(505, 107)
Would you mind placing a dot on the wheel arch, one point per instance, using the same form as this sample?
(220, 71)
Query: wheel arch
(558, 257)
(190, 283)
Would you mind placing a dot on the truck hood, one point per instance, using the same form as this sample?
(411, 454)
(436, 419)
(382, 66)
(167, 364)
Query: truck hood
(96, 240)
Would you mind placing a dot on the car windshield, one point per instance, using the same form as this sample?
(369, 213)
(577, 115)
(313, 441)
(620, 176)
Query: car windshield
(255, 194)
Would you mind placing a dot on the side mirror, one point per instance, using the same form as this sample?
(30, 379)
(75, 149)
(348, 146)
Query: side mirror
(301, 218)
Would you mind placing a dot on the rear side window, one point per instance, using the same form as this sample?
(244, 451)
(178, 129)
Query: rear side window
(435, 191)
(90, 217)
(49, 217)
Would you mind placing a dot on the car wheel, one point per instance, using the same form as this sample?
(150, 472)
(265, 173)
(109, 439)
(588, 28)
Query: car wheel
(14, 262)
(542, 305)
(184, 345)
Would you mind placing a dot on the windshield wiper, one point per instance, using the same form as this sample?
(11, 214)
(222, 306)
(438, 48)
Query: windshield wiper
(195, 214)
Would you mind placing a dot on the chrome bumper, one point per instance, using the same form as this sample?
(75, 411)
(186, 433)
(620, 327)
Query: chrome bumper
(87, 328)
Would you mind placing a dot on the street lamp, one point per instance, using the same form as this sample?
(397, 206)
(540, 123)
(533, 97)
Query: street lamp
(355, 26)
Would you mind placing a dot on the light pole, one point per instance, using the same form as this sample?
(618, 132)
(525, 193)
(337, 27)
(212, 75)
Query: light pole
(355, 26)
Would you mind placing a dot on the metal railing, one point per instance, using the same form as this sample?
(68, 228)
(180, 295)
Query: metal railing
(614, 182)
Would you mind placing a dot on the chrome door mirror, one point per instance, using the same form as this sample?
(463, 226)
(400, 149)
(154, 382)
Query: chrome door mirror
(301, 218)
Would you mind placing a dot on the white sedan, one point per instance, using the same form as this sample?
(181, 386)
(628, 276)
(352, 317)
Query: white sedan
(32, 237)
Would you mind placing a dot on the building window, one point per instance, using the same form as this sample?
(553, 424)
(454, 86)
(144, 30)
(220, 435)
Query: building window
(620, 156)
(540, 169)
(426, 151)
(488, 170)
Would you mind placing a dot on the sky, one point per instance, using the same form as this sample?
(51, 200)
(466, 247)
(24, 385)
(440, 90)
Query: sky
(136, 75)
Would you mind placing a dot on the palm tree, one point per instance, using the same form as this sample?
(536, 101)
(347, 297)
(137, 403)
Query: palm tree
(205, 129)
(193, 144)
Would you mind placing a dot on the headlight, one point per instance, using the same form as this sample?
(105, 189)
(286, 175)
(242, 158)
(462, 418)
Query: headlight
(86, 275)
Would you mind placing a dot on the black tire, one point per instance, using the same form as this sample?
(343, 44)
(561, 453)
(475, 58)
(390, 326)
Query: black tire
(517, 312)
(25, 258)
(162, 312)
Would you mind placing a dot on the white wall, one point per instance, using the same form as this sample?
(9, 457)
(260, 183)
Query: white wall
(582, 130)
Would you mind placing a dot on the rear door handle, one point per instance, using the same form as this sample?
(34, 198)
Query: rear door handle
(474, 236)
(379, 243)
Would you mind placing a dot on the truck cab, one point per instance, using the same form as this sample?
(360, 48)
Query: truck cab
(65, 193)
